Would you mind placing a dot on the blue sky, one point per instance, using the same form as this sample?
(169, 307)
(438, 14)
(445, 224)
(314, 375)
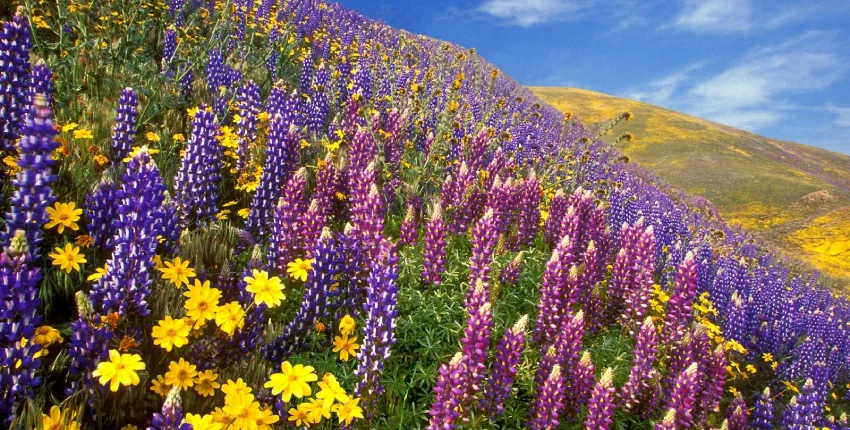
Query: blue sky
(775, 67)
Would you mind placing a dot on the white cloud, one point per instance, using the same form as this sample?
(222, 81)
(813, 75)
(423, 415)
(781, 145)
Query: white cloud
(842, 115)
(752, 92)
(527, 13)
(715, 16)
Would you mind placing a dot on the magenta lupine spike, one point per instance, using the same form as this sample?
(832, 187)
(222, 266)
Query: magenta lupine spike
(528, 222)
(557, 209)
(284, 243)
(763, 411)
(447, 394)
(600, 407)
(631, 283)
(567, 344)
(682, 396)
(500, 200)
(715, 381)
(408, 231)
(124, 131)
(505, 367)
(434, 248)
(737, 414)
(580, 387)
(281, 156)
(679, 356)
(459, 198)
(484, 237)
(510, 274)
(591, 276)
(640, 388)
(196, 184)
(475, 153)
(475, 344)
(553, 298)
(680, 310)
(311, 222)
(369, 225)
(578, 205)
(668, 422)
(547, 404)
(328, 184)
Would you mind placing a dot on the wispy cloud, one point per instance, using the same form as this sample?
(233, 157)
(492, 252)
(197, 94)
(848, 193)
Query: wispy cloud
(752, 93)
(527, 13)
(842, 115)
(714, 16)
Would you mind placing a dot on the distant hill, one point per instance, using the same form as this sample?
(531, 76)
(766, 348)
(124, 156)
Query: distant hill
(796, 197)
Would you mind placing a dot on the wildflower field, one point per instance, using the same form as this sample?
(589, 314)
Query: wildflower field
(280, 214)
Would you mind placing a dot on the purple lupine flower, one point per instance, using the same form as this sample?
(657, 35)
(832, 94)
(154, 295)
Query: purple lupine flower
(528, 222)
(19, 278)
(632, 276)
(565, 352)
(102, 213)
(90, 339)
(552, 306)
(547, 405)
(434, 248)
(457, 198)
(124, 131)
(668, 422)
(476, 344)
(408, 231)
(169, 48)
(557, 209)
(447, 394)
(171, 228)
(369, 221)
(683, 396)
(501, 200)
(510, 274)
(352, 291)
(763, 411)
(505, 367)
(196, 184)
(329, 186)
(281, 156)
(285, 228)
(312, 222)
(484, 236)
(171, 416)
(580, 385)
(640, 388)
(15, 45)
(804, 410)
(737, 414)
(319, 105)
(41, 82)
(175, 9)
(379, 331)
(314, 303)
(680, 306)
(33, 195)
(248, 101)
(590, 278)
(714, 382)
(126, 285)
(600, 407)
(186, 81)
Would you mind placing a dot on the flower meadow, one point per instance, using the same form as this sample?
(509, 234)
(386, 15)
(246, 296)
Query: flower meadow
(281, 214)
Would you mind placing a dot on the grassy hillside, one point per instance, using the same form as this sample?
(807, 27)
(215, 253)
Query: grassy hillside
(796, 196)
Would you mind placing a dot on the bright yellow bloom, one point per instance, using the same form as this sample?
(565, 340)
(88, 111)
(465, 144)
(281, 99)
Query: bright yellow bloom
(202, 302)
(83, 134)
(266, 290)
(69, 258)
(59, 421)
(202, 422)
(129, 427)
(137, 150)
(243, 411)
(229, 317)
(160, 387)
(68, 127)
(330, 391)
(768, 357)
(63, 215)
(299, 268)
(181, 374)
(315, 411)
(178, 272)
(171, 333)
(299, 416)
(349, 411)
(152, 137)
(346, 325)
(206, 383)
(293, 380)
(119, 369)
(266, 418)
(345, 346)
(238, 388)
(243, 213)
(45, 335)
(177, 138)
(98, 273)
(220, 417)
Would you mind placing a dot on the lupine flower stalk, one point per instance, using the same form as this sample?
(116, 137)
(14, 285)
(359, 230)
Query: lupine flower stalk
(551, 308)
(408, 231)
(171, 416)
(557, 209)
(600, 408)
(281, 156)
(802, 412)
(547, 405)
(683, 396)
(124, 131)
(640, 388)
(15, 45)
(475, 344)
(484, 236)
(434, 248)
(169, 48)
(444, 414)
(504, 370)
(680, 306)
(737, 414)
(102, 212)
(580, 387)
(196, 183)
(510, 274)
(285, 228)
(763, 411)
(528, 222)
(248, 101)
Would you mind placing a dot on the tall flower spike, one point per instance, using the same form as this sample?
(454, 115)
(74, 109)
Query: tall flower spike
(15, 44)
(196, 184)
(124, 131)
(551, 308)
(547, 405)
(408, 231)
(484, 236)
(639, 389)
(171, 416)
(580, 386)
(528, 222)
(102, 212)
(476, 348)
(680, 306)
(434, 248)
(281, 156)
(32, 184)
(505, 367)
(600, 408)
(737, 414)
(763, 411)
(447, 394)
(248, 101)
(683, 396)
(283, 244)
(510, 274)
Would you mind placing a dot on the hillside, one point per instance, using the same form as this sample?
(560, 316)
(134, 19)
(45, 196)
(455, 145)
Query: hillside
(796, 197)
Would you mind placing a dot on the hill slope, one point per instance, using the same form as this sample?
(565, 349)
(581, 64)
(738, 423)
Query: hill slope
(795, 196)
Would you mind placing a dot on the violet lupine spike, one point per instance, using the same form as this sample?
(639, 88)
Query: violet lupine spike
(408, 231)
(434, 248)
(171, 415)
(591, 276)
(127, 283)
(281, 157)
(547, 404)
(763, 411)
(102, 213)
(124, 131)
(169, 48)
(19, 278)
(41, 82)
(668, 422)
(510, 274)
(328, 188)
(505, 367)
(632, 277)
(553, 306)
(312, 222)
(444, 414)
(196, 183)
(381, 312)
(283, 244)
(714, 382)
(32, 184)
(15, 45)
(314, 302)
(737, 414)
(566, 347)
(680, 310)
(582, 380)
(600, 408)
(804, 410)
(683, 396)
(557, 209)
(640, 388)
(475, 345)
(528, 222)
(484, 236)
(369, 222)
(249, 104)
(456, 198)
